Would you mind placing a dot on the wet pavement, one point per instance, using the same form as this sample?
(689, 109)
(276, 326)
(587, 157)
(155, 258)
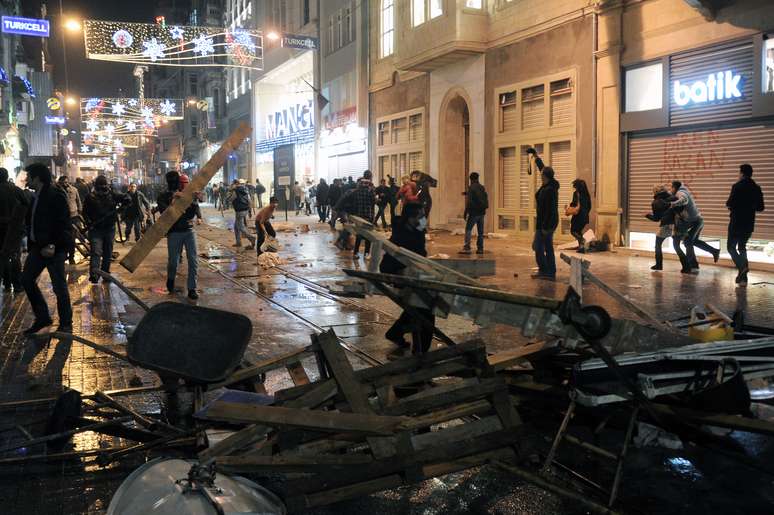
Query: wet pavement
(289, 302)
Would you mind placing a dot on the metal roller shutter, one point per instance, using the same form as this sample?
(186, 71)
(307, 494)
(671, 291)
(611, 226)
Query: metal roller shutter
(708, 163)
(509, 175)
(560, 159)
(525, 195)
(510, 118)
(691, 67)
(416, 162)
(533, 107)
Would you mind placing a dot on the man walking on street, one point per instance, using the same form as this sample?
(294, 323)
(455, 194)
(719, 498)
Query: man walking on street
(260, 189)
(689, 224)
(180, 235)
(334, 194)
(100, 211)
(74, 204)
(547, 205)
(243, 206)
(382, 200)
(263, 224)
(298, 196)
(50, 239)
(136, 209)
(83, 189)
(363, 200)
(321, 197)
(13, 209)
(745, 200)
(476, 204)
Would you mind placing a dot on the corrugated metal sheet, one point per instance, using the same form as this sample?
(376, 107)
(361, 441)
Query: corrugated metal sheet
(691, 67)
(560, 158)
(509, 174)
(41, 134)
(562, 110)
(532, 114)
(416, 161)
(708, 163)
(416, 128)
(510, 118)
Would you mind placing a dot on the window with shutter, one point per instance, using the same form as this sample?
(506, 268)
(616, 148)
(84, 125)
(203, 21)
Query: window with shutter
(399, 132)
(416, 162)
(561, 103)
(509, 179)
(560, 158)
(508, 112)
(416, 129)
(384, 129)
(533, 107)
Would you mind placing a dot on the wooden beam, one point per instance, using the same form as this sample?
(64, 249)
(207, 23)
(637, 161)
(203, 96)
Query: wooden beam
(158, 230)
(257, 369)
(290, 463)
(503, 360)
(297, 373)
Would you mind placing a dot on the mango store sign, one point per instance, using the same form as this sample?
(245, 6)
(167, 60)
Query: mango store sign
(290, 120)
(717, 86)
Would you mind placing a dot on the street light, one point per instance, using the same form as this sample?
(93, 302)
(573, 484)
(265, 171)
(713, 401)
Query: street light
(272, 35)
(73, 25)
(70, 101)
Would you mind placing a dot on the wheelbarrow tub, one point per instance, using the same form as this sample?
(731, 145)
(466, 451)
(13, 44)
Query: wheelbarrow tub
(197, 344)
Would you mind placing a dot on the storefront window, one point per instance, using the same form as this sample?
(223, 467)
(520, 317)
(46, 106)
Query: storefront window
(644, 88)
(768, 72)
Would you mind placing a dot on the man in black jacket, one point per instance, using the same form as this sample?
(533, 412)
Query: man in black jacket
(745, 200)
(242, 202)
(13, 208)
(408, 232)
(476, 204)
(50, 239)
(547, 205)
(136, 209)
(382, 199)
(100, 211)
(321, 197)
(180, 235)
(334, 195)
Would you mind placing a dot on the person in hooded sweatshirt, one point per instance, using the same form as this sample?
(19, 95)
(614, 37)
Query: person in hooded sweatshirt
(665, 217)
(745, 200)
(547, 206)
(100, 211)
(688, 226)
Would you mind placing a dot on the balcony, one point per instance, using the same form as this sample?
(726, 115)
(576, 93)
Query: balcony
(458, 33)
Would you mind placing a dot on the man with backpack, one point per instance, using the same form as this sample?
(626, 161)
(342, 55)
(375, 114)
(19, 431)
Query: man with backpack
(243, 206)
(476, 204)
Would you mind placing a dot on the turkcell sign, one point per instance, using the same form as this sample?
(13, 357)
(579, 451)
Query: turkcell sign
(55, 120)
(290, 120)
(718, 86)
(302, 42)
(25, 26)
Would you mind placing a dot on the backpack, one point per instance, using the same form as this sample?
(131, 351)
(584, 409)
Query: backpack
(259, 189)
(241, 202)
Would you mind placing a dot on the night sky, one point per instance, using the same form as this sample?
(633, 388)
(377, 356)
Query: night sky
(90, 78)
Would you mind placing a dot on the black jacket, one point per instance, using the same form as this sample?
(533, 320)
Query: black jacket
(547, 205)
(100, 210)
(582, 218)
(661, 209)
(137, 204)
(382, 195)
(334, 194)
(185, 222)
(745, 200)
(50, 223)
(476, 200)
(241, 200)
(403, 235)
(13, 209)
(322, 194)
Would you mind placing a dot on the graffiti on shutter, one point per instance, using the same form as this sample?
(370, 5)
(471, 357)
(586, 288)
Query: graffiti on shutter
(509, 178)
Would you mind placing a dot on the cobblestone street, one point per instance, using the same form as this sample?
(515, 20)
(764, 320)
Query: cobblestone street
(291, 301)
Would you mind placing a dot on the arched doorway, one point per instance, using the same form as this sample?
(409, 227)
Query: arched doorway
(454, 157)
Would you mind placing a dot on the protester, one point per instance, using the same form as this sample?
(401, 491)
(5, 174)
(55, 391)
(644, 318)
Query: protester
(393, 198)
(363, 200)
(135, 212)
(243, 206)
(688, 226)
(263, 224)
(100, 211)
(424, 182)
(309, 193)
(407, 192)
(343, 208)
(73, 204)
(13, 209)
(50, 239)
(476, 204)
(547, 206)
(382, 193)
(260, 189)
(334, 195)
(180, 235)
(223, 197)
(665, 217)
(298, 196)
(83, 189)
(321, 197)
(579, 209)
(408, 231)
(745, 200)
(349, 185)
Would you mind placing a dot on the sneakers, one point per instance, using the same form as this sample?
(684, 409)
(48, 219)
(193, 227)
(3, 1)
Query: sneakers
(171, 286)
(741, 278)
(465, 250)
(544, 277)
(37, 326)
(193, 295)
(657, 267)
(716, 256)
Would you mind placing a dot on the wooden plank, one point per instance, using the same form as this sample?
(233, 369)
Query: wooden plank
(254, 371)
(327, 421)
(233, 443)
(457, 433)
(727, 319)
(441, 469)
(159, 229)
(424, 374)
(576, 276)
(506, 359)
(738, 423)
(297, 373)
(290, 463)
(454, 396)
(300, 503)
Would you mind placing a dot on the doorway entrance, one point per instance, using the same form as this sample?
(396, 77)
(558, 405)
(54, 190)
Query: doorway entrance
(454, 159)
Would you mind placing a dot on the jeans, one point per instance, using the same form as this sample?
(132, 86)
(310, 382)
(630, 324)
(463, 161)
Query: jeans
(334, 215)
(10, 264)
(659, 252)
(261, 232)
(133, 223)
(322, 212)
(692, 231)
(737, 247)
(478, 221)
(359, 239)
(240, 228)
(33, 267)
(380, 214)
(543, 245)
(422, 335)
(175, 243)
(101, 250)
(393, 205)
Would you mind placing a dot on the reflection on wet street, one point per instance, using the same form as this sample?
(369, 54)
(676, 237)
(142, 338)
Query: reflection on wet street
(287, 303)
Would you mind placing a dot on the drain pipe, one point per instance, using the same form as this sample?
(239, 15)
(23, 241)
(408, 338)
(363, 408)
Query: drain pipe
(594, 49)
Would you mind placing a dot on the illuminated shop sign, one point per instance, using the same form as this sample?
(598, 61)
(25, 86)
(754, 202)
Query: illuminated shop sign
(25, 26)
(55, 120)
(717, 86)
(291, 120)
(300, 42)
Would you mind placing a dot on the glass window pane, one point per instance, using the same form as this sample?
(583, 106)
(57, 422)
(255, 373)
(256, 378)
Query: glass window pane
(417, 12)
(768, 75)
(644, 88)
(436, 8)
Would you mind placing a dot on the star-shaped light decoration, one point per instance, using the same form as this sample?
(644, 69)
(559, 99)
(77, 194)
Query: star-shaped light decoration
(147, 112)
(92, 125)
(131, 126)
(110, 128)
(119, 109)
(101, 139)
(154, 50)
(85, 149)
(167, 108)
(242, 37)
(176, 32)
(203, 45)
(132, 102)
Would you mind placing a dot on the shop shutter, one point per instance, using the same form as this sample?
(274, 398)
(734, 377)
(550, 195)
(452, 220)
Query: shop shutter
(509, 179)
(690, 67)
(562, 106)
(533, 108)
(524, 178)
(416, 128)
(353, 164)
(560, 159)
(510, 118)
(416, 162)
(708, 163)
